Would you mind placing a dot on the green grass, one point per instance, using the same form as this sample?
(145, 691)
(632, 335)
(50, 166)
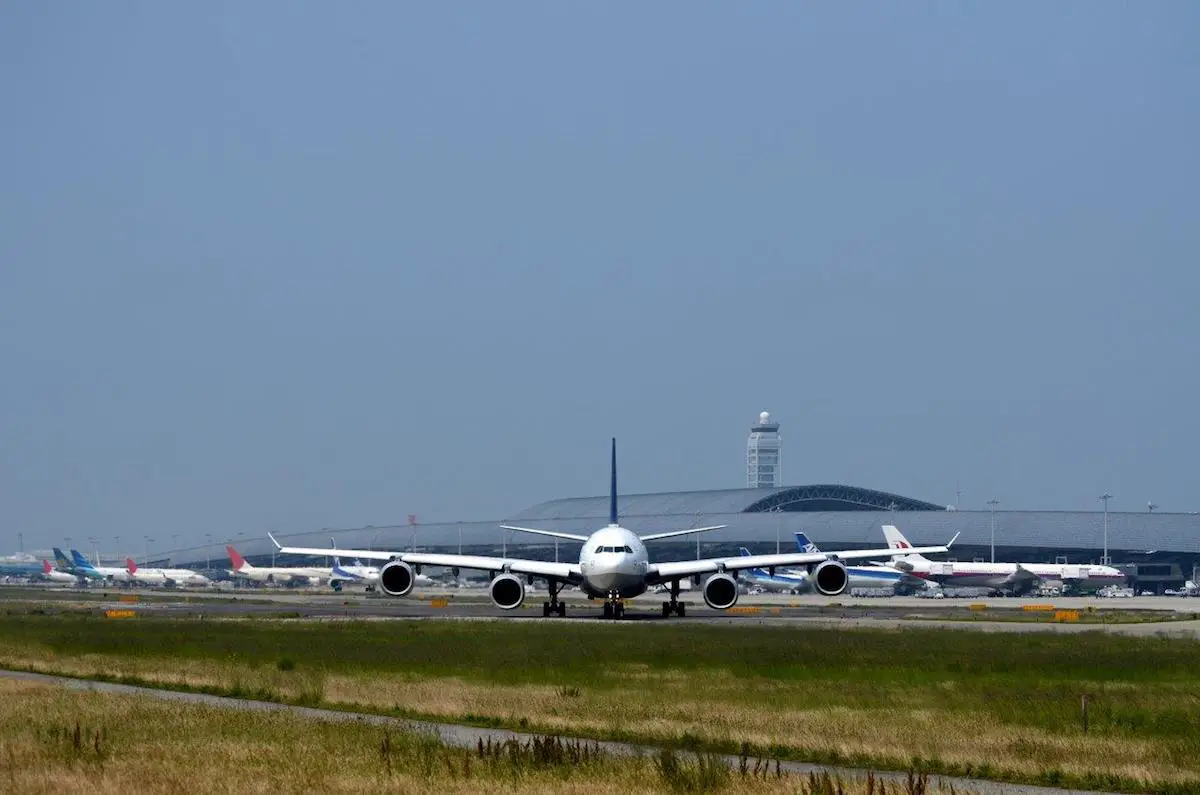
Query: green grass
(54, 741)
(1005, 706)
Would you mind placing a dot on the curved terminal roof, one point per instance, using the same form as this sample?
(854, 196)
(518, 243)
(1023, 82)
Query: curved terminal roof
(821, 497)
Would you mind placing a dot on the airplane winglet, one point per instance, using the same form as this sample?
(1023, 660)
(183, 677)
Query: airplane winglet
(950, 543)
(273, 541)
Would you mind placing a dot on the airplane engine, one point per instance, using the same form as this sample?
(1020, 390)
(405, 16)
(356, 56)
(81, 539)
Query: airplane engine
(507, 591)
(396, 578)
(720, 591)
(830, 578)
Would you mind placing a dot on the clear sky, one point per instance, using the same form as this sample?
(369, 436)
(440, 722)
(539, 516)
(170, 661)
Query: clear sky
(293, 265)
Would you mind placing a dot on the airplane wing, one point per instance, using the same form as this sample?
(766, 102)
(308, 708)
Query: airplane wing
(551, 533)
(1022, 576)
(662, 572)
(538, 568)
(673, 533)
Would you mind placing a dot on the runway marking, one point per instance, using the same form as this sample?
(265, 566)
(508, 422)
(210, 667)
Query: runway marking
(460, 736)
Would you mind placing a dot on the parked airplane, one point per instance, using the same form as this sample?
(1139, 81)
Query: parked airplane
(1011, 578)
(51, 574)
(613, 565)
(874, 575)
(166, 577)
(304, 575)
(89, 570)
(870, 577)
(782, 581)
(19, 565)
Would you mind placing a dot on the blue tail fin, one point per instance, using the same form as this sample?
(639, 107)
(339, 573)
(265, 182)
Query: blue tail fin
(80, 560)
(758, 572)
(612, 505)
(803, 544)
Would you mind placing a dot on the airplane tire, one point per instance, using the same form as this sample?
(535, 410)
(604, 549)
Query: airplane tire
(618, 610)
(680, 610)
(545, 609)
(562, 609)
(666, 607)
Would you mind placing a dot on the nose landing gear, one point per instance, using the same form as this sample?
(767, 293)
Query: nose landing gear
(613, 606)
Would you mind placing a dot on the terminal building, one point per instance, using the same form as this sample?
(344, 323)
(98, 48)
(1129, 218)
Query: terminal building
(1158, 550)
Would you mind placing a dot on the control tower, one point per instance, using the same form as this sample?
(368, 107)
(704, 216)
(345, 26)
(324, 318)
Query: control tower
(762, 454)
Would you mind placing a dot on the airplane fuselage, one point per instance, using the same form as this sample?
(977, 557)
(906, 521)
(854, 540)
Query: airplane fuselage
(1006, 576)
(614, 560)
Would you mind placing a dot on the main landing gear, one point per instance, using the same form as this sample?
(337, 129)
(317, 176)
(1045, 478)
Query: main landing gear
(554, 605)
(613, 606)
(673, 606)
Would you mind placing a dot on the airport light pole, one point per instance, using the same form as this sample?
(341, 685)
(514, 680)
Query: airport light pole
(1104, 498)
(208, 552)
(95, 548)
(146, 552)
(992, 503)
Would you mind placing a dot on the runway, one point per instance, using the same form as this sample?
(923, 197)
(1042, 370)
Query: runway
(1133, 616)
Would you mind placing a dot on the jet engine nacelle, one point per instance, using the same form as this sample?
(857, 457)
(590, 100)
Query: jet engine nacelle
(396, 578)
(507, 591)
(830, 578)
(720, 591)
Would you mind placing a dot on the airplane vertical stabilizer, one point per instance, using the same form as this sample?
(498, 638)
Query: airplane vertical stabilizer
(612, 505)
(899, 543)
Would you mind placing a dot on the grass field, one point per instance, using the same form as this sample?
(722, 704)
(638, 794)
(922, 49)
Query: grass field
(997, 706)
(54, 741)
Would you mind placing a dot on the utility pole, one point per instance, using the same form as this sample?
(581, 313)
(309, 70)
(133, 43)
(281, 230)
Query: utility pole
(993, 502)
(1104, 498)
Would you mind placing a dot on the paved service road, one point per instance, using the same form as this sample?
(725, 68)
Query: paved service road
(468, 736)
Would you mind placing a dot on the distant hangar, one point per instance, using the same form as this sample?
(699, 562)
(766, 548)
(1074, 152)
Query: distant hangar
(833, 515)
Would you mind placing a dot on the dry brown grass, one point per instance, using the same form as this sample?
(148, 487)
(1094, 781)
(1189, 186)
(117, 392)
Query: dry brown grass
(665, 706)
(139, 744)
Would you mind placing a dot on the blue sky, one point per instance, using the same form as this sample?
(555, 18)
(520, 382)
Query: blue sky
(286, 266)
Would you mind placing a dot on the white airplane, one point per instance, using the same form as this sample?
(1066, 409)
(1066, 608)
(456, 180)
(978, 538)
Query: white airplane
(613, 565)
(111, 573)
(165, 577)
(287, 575)
(51, 574)
(1012, 578)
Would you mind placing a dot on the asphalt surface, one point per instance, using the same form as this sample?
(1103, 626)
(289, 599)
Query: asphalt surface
(1154, 615)
(468, 736)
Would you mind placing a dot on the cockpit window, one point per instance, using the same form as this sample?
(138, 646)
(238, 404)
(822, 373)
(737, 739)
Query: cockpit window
(630, 551)
(599, 549)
